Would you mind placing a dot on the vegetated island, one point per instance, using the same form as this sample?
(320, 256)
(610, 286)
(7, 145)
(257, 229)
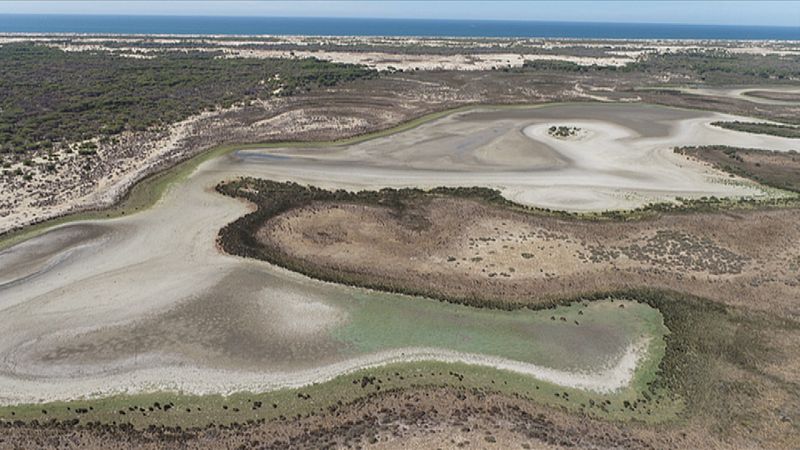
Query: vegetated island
(677, 252)
(563, 131)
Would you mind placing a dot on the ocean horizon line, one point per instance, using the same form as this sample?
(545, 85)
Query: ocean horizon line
(339, 26)
(414, 19)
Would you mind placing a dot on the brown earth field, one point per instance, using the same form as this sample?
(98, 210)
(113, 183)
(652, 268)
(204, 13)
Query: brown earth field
(454, 245)
(463, 249)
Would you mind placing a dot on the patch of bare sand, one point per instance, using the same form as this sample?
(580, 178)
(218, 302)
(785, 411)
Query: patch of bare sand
(623, 160)
(296, 315)
(29, 258)
(113, 173)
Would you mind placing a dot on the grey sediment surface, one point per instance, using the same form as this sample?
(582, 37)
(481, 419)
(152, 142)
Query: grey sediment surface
(95, 276)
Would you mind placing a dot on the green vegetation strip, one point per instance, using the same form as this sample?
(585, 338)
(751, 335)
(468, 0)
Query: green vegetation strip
(702, 66)
(787, 131)
(174, 409)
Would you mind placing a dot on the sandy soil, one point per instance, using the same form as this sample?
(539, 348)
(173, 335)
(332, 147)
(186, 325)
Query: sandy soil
(381, 60)
(152, 261)
(113, 170)
(189, 379)
(388, 61)
(463, 249)
(392, 52)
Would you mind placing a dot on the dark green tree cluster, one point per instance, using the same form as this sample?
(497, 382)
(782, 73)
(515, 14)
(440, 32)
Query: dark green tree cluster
(48, 95)
(701, 66)
(774, 129)
(719, 67)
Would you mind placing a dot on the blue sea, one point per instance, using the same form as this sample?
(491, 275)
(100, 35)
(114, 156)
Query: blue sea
(100, 24)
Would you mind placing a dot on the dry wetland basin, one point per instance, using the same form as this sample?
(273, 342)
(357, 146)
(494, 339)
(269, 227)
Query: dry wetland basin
(148, 306)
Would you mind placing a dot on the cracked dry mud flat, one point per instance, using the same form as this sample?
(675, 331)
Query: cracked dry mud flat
(136, 273)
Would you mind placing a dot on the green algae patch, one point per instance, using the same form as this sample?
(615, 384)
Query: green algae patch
(580, 337)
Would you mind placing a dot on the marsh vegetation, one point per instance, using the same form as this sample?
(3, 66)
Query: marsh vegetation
(780, 170)
(789, 131)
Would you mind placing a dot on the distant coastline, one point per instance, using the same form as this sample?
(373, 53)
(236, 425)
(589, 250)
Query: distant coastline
(218, 25)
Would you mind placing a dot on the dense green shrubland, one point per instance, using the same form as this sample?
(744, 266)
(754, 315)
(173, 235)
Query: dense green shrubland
(48, 95)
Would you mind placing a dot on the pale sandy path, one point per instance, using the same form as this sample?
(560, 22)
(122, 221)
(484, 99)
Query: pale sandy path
(149, 263)
(741, 93)
(194, 380)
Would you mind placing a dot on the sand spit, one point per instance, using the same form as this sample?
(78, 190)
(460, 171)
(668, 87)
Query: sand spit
(743, 93)
(199, 381)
